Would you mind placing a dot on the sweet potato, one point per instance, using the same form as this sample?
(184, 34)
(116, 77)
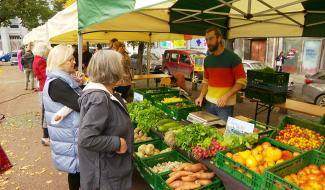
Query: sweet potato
(181, 167)
(177, 175)
(188, 186)
(195, 167)
(208, 175)
(203, 182)
(189, 178)
(176, 184)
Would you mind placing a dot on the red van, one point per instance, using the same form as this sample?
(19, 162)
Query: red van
(184, 61)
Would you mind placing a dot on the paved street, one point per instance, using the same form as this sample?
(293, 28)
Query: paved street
(20, 136)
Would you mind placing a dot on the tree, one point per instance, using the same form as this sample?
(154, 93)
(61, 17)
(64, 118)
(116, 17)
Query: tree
(31, 12)
(141, 47)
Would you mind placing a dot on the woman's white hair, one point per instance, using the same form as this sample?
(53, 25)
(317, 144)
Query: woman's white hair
(41, 49)
(58, 56)
(105, 67)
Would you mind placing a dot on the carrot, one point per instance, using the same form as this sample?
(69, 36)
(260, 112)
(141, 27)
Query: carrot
(208, 175)
(177, 176)
(203, 181)
(176, 184)
(188, 186)
(181, 167)
(195, 168)
(189, 178)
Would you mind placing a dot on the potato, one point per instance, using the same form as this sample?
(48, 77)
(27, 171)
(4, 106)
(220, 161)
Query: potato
(208, 175)
(149, 149)
(175, 184)
(195, 167)
(188, 186)
(177, 175)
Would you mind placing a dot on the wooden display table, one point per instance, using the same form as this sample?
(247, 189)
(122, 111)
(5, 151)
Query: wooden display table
(151, 76)
(302, 107)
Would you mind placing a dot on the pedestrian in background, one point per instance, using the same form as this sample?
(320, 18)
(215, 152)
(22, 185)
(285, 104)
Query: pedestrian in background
(111, 43)
(62, 88)
(280, 61)
(41, 51)
(106, 134)
(27, 62)
(98, 47)
(124, 85)
(19, 58)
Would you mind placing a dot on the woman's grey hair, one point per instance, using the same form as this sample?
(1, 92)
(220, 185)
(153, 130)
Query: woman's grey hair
(105, 67)
(41, 49)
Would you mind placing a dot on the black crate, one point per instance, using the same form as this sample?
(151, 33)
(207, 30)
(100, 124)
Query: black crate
(265, 96)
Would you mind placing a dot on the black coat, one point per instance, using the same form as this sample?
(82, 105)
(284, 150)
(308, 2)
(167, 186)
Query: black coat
(104, 119)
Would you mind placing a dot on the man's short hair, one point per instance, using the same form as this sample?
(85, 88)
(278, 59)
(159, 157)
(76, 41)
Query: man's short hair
(216, 30)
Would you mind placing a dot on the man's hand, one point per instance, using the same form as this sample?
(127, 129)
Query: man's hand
(222, 101)
(199, 101)
(123, 146)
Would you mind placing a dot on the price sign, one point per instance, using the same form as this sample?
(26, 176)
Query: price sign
(137, 97)
(238, 126)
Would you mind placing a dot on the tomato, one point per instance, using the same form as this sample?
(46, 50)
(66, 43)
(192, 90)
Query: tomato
(322, 169)
(312, 166)
(313, 177)
(266, 145)
(315, 171)
(301, 173)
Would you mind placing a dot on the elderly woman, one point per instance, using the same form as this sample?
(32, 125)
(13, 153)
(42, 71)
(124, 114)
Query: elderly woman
(61, 89)
(105, 135)
(124, 85)
(41, 51)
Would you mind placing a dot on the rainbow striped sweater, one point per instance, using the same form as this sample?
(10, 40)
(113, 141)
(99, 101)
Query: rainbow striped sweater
(221, 73)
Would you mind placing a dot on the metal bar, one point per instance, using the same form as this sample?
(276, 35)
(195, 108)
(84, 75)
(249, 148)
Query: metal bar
(315, 24)
(286, 16)
(218, 6)
(79, 51)
(222, 13)
(221, 18)
(249, 7)
(255, 117)
(186, 10)
(268, 114)
(260, 21)
(186, 21)
(148, 57)
(320, 12)
(274, 14)
(144, 14)
(188, 16)
(235, 8)
(199, 19)
(280, 7)
(215, 24)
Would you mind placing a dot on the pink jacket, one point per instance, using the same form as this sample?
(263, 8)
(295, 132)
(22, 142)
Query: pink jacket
(19, 57)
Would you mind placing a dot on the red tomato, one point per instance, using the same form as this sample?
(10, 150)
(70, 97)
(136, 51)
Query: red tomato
(322, 169)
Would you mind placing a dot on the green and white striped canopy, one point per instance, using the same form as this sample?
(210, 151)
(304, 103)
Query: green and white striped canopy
(236, 18)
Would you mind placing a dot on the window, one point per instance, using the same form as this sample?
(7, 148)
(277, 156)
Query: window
(184, 59)
(14, 26)
(174, 57)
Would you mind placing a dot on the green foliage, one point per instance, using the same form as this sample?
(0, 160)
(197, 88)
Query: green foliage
(234, 140)
(196, 134)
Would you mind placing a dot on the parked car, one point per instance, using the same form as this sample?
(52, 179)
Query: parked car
(313, 91)
(251, 64)
(14, 59)
(6, 57)
(188, 62)
(155, 65)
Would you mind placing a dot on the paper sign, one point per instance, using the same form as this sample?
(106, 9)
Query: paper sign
(238, 126)
(137, 97)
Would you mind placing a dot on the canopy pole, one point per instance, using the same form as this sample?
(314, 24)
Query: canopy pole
(148, 57)
(80, 52)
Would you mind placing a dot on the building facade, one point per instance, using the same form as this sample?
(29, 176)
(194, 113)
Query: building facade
(304, 55)
(11, 37)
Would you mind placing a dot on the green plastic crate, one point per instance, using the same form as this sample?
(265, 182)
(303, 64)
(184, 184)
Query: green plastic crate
(159, 144)
(304, 124)
(265, 130)
(274, 176)
(178, 113)
(248, 177)
(215, 185)
(147, 92)
(275, 82)
(153, 178)
(265, 96)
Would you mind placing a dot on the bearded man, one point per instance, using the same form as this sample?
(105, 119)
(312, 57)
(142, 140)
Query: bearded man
(224, 76)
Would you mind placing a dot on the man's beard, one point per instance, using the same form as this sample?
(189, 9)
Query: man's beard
(213, 48)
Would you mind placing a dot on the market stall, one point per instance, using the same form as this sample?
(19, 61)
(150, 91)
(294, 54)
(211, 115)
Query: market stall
(241, 161)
